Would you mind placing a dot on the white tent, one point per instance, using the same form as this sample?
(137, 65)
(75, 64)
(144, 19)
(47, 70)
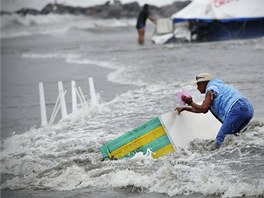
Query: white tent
(207, 20)
(221, 10)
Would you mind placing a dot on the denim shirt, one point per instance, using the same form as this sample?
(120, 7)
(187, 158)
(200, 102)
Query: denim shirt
(224, 98)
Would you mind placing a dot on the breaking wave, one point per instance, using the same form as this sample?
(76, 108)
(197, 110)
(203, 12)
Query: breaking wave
(18, 26)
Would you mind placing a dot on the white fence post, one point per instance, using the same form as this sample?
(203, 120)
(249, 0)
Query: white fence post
(82, 98)
(62, 100)
(56, 109)
(74, 97)
(92, 92)
(43, 112)
(61, 103)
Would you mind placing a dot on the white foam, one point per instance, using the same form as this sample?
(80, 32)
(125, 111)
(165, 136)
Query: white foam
(66, 157)
(50, 55)
(17, 26)
(121, 74)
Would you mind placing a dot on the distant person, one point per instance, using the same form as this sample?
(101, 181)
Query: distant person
(226, 104)
(141, 23)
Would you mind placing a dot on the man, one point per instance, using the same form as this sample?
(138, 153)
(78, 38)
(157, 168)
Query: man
(225, 103)
(141, 23)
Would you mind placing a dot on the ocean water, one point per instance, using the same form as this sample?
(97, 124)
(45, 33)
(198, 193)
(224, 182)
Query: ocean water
(134, 84)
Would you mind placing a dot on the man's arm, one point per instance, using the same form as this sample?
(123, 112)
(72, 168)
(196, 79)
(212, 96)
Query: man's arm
(153, 19)
(194, 107)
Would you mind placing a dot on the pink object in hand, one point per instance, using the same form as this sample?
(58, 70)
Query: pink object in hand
(179, 97)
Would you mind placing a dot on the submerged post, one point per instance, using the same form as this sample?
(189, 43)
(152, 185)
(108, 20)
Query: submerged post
(44, 121)
(56, 109)
(74, 96)
(62, 100)
(92, 92)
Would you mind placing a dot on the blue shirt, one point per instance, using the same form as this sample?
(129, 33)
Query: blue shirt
(224, 98)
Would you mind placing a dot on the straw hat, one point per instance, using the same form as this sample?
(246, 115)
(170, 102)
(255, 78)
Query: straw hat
(203, 77)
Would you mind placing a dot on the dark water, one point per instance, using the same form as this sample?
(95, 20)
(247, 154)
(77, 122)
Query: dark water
(135, 84)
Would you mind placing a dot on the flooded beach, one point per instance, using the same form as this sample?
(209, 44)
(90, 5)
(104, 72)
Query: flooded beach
(134, 84)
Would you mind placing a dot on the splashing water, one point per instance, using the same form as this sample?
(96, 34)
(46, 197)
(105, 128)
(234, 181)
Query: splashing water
(66, 157)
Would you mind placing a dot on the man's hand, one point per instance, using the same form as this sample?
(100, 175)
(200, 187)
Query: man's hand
(187, 99)
(179, 109)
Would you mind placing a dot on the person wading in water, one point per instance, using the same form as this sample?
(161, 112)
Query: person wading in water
(141, 23)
